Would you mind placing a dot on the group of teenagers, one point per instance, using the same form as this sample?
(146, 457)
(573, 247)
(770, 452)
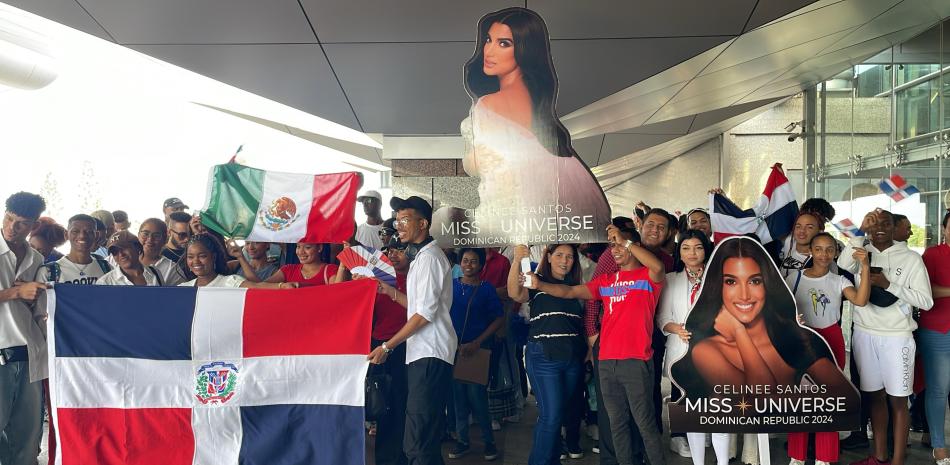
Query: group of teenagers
(617, 311)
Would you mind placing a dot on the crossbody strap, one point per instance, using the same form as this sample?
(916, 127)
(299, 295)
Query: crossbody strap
(797, 280)
(468, 310)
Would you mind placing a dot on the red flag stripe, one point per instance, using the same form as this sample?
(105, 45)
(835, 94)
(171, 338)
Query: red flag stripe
(111, 436)
(275, 322)
(332, 215)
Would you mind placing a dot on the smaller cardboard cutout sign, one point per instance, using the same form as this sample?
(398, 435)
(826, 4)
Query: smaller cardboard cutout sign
(750, 366)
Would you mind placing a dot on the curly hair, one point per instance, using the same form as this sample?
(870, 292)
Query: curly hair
(53, 233)
(26, 205)
(213, 245)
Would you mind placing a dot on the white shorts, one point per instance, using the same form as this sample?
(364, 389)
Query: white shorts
(884, 362)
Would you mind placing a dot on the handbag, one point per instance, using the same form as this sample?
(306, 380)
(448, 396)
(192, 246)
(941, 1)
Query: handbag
(474, 368)
(377, 394)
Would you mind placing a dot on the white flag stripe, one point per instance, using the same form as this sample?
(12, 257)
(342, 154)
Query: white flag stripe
(99, 382)
(89, 382)
(218, 435)
(216, 333)
(297, 187)
(317, 379)
(781, 196)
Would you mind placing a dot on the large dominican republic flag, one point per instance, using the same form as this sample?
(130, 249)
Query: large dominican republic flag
(209, 376)
(269, 206)
(772, 217)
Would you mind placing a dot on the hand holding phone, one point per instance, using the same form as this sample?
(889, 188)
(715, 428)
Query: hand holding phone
(526, 268)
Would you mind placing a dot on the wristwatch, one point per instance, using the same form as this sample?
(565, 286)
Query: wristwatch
(386, 348)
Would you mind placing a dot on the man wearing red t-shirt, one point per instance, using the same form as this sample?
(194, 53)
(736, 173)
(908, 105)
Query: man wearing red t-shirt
(629, 297)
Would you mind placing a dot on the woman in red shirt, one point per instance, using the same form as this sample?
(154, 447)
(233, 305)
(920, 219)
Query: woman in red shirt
(934, 336)
(311, 271)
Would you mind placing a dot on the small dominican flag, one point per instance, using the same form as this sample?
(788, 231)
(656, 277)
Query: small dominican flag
(210, 376)
(369, 262)
(848, 228)
(897, 188)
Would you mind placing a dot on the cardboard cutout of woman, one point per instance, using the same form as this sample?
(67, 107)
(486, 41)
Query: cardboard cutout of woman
(531, 181)
(751, 367)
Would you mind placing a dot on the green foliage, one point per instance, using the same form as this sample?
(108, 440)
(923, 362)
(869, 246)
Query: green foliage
(202, 388)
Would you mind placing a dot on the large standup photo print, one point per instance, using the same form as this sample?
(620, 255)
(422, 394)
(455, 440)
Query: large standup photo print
(751, 366)
(532, 186)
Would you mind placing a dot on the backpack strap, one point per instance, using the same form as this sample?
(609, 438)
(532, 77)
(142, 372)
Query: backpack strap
(797, 280)
(52, 269)
(158, 276)
(104, 265)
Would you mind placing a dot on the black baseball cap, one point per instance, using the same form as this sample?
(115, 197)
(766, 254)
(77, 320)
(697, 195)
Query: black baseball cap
(414, 202)
(174, 202)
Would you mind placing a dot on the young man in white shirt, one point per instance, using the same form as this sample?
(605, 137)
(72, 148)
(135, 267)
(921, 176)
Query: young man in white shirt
(22, 341)
(368, 232)
(882, 341)
(430, 338)
(80, 266)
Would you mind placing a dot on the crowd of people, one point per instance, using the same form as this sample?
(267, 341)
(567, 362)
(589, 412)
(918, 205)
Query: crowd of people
(465, 336)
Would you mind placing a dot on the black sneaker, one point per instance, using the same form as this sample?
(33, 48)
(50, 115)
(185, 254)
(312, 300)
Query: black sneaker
(491, 452)
(855, 441)
(460, 450)
(575, 452)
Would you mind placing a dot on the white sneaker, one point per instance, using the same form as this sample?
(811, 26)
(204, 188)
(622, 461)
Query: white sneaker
(495, 426)
(681, 447)
(821, 462)
(798, 462)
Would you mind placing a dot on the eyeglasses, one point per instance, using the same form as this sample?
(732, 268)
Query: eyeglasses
(146, 235)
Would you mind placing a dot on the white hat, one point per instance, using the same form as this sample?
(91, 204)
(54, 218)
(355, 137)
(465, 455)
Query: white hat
(369, 194)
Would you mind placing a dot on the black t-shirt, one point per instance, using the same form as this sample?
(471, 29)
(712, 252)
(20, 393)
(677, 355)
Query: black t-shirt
(558, 324)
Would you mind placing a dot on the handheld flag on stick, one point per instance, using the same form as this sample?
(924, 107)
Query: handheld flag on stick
(772, 216)
(848, 228)
(897, 188)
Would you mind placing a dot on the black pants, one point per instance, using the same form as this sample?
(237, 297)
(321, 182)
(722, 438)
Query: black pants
(574, 410)
(391, 428)
(607, 454)
(626, 385)
(659, 350)
(429, 382)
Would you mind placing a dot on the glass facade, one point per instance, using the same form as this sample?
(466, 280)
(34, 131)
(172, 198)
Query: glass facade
(888, 115)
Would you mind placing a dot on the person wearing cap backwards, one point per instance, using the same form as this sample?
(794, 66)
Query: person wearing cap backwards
(429, 336)
(172, 205)
(368, 233)
(125, 249)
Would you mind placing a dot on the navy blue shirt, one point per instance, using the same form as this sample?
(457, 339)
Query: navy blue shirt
(486, 307)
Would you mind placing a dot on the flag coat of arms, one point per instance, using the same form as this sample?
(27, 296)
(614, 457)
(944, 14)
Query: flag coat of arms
(370, 262)
(897, 188)
(772, 217)
(209, 376)
(269, 206)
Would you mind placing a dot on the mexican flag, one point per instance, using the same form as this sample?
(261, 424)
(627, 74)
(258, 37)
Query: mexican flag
(268, 206)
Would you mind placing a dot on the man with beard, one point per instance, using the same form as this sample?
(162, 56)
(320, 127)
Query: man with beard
(179, 231)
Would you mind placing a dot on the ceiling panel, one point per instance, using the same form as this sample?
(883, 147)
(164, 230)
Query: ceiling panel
(714, 117)
(404, 88)
(571, 19)
(295, 75)
(769, 10)
(619, 145)
(588, 149)
(66, 12)
(399, 21)
(629, 113)
(674, 126)
(806, 9)
(589, 70)
(796, 31)
(202, 21)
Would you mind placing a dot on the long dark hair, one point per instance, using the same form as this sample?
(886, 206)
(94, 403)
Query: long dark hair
(533, 55)
(797, 346)
(573, 276)
(214, 246)
(678, 264)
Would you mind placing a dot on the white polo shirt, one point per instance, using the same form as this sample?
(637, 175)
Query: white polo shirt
(429, 293)
(19, 323)
(117, 278)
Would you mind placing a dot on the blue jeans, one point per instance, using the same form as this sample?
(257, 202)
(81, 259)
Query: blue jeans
(471, 399)
(935, 349)
(553, 383)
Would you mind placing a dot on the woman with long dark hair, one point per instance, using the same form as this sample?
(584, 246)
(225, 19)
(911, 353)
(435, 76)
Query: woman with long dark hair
(554, 355)
(513, 130)
(744, 329)
(690, 258)
(207, 265)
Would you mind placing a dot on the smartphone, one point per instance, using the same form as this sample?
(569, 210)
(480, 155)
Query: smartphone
(526, 268)
(876, 269)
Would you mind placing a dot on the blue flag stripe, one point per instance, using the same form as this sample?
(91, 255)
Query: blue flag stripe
(295, 434)
(725, 206)
(124, 321)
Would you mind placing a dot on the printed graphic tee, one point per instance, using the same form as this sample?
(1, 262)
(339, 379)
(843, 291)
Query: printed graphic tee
(629, 299)
(72, 273)
(818, 299)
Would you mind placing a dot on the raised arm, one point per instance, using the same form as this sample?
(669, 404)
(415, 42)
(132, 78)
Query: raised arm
(560, 290)
(516, 291)
(860, 296)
